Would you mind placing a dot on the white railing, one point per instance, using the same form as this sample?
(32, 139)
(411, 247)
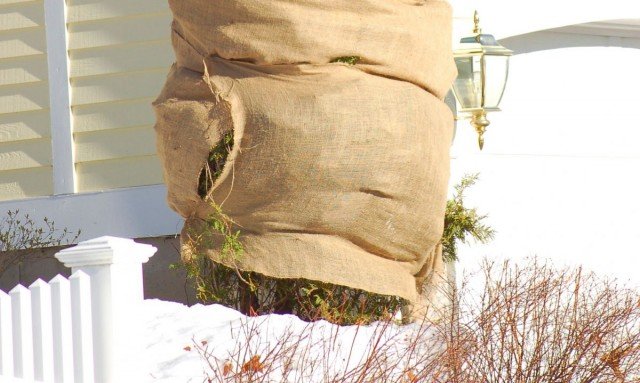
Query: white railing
(82, 329)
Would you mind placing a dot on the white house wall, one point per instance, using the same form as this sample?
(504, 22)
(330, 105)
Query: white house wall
(559, 171)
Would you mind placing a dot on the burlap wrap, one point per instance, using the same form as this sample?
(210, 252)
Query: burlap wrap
(338, 173)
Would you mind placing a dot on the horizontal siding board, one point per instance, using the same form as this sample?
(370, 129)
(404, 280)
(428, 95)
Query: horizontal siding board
(22, 15)
(119, 31)
(120, 173)
(23, 98)
(24, 126)
(27, 42)
(96, 146)
(128, 58)
(26, 183)
(134, 85)
(11, 2)
(23, 70)
(25, 154)
(25, 143)
(113, 115)
(89, 10)
(120, 53)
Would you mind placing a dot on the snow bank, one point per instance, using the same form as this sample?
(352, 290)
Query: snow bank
(189, 344)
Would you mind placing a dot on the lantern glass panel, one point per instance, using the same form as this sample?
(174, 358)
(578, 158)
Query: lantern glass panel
(496, 71)
(468, 84)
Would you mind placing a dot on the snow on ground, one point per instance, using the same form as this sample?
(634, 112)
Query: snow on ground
(290, 349)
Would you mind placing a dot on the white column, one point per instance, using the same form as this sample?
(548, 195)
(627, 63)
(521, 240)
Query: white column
(62, 148)
(114, 266)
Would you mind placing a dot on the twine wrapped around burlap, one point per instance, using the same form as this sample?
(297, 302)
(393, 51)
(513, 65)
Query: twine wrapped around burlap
(338, 173)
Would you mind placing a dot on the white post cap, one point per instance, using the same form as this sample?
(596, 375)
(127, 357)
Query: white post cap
(105, 251)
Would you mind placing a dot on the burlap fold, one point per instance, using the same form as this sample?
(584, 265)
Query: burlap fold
(408, 40)
(338, 173)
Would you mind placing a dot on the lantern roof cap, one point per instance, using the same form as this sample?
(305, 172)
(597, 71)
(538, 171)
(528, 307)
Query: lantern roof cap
(480, 43)
(483, 44)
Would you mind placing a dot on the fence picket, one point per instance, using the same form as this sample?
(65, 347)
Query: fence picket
(6, 336)
(42, 330)
(22, 332)
(83, 368)
(61, 324)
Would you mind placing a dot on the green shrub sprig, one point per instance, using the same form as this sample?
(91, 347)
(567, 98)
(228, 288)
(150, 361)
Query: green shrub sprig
(215, 163)
(461, 222)
(350, 60)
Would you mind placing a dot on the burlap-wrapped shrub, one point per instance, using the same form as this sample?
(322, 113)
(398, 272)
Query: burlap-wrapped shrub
(336, 173)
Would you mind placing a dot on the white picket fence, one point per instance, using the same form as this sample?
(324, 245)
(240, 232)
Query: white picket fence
(83, 329)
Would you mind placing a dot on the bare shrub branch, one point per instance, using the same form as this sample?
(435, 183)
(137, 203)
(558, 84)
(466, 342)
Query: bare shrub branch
(20, 233)
(517, 324)
(535, 323)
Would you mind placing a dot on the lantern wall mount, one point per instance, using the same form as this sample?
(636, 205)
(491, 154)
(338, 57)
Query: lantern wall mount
(483, 68)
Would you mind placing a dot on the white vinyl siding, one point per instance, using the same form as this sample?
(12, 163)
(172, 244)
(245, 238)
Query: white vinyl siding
(119, 55)
(25, 136)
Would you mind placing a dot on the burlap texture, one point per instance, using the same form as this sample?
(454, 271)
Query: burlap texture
(336, 174)
(408, 40)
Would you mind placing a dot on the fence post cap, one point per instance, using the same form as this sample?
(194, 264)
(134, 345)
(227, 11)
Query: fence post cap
(105, 251)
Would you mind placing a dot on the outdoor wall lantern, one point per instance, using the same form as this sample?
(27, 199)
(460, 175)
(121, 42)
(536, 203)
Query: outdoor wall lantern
(483, 67)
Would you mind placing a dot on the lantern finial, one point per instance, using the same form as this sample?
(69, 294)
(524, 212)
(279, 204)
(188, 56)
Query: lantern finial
(480, 122)
(476, 22)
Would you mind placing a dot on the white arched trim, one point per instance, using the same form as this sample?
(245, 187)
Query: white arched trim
(620, 33)
(510, 18)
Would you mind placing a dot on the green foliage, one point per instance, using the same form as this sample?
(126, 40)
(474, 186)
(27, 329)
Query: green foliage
(19, 233)
(255, 294)
(351, 60)
(252, 293)
(217, 228)
(461, 222)
(215, 163)
(221, 224)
